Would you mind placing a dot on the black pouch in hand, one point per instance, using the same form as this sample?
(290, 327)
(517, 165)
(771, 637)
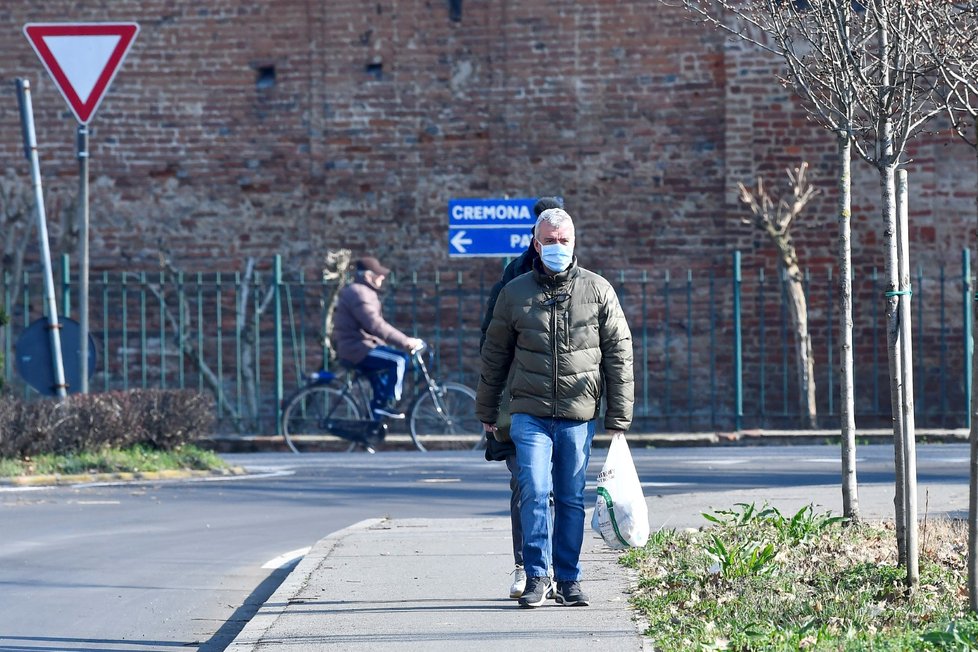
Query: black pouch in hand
(498, 451)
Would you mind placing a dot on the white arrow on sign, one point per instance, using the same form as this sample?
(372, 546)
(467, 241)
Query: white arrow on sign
(459, 241)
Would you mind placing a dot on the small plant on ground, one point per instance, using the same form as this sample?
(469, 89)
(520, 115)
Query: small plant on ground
(754, 579)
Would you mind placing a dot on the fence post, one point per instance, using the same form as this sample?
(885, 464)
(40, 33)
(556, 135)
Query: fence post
(738, 353)
(967, 330)
(65, 286)
(279, 388)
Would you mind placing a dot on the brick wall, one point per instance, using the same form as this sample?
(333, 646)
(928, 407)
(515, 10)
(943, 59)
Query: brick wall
(248, 129)
(290, 126)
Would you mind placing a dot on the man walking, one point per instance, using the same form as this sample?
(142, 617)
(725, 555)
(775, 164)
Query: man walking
(562, 331)
(499, 445)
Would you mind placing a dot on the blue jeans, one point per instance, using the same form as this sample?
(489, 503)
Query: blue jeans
(553, 456)
(385, 368)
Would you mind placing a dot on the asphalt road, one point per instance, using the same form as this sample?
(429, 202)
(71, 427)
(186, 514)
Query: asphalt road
(184, 564)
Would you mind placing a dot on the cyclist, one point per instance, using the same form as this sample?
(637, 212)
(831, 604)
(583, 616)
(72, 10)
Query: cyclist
(365, 340)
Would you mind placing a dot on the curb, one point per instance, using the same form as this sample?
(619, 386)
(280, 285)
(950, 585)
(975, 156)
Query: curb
(85, 478)
(274, 607)
(396, 442)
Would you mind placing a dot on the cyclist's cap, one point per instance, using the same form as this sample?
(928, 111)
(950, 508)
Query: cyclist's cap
(369, 263)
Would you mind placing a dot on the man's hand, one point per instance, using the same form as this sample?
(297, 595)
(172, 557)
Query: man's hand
(489, 427)
(414, 344)
(616, 432)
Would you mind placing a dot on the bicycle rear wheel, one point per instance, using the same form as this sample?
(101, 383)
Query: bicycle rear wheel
(306, 413)
(445, 418)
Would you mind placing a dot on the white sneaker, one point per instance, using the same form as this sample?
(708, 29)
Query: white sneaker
(519, 582)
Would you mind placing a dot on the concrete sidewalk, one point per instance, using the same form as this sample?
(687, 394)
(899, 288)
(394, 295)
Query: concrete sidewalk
(421, 584)
(424, 584)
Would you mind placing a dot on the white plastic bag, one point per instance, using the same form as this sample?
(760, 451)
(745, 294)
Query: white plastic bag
(621, 515)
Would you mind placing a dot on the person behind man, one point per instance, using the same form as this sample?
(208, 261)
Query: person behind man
(499, 445)
(364, 339)
(562, 331)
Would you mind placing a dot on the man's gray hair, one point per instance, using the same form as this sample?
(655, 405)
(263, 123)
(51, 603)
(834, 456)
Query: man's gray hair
(555, 217)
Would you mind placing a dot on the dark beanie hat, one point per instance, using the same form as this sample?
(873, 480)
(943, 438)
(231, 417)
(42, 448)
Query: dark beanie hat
(369, 263)
(546, 203)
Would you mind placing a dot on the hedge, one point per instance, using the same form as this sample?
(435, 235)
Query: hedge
(160, 418)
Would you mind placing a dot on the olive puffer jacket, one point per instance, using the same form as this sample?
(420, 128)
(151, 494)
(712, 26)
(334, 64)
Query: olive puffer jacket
(568, 341)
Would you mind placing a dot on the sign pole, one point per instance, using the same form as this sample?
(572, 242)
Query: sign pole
(30, 151)
(83, 251)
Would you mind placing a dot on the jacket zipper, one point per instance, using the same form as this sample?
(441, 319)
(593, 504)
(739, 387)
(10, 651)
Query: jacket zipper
(553, 338)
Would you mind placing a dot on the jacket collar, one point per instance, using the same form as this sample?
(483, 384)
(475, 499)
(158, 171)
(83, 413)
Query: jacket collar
(363, 282)
(554, 280)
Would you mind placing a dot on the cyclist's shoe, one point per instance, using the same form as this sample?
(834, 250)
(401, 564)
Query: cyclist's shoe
(570, 594)
(538, 589)
(519, 582)
(387, 413)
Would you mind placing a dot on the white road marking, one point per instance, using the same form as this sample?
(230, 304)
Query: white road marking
(723, 462)
(3, 489)
(825, 460)
(944, 460)
(287, 558)
(216, 478)
(439, 480)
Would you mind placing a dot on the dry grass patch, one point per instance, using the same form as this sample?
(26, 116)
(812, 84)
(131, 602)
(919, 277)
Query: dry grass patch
(756, 579)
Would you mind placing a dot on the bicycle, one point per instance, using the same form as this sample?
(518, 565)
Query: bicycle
(338, 405)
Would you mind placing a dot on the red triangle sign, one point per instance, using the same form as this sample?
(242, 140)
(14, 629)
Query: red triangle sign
(82, 58)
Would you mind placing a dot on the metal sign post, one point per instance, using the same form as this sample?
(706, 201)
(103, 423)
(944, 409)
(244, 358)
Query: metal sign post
(83, 249)
(30, 151)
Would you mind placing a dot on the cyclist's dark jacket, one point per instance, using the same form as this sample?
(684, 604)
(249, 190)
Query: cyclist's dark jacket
(565, 355)
(359, 325)
(518, 267)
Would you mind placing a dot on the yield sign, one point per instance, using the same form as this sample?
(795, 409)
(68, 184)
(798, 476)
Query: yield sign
(82, 58)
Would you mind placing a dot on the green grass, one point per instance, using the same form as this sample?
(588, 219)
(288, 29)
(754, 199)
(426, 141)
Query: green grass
(754, 579)
(135, 459)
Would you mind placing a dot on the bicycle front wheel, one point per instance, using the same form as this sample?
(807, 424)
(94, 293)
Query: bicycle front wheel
(445, 418)
(307, 412)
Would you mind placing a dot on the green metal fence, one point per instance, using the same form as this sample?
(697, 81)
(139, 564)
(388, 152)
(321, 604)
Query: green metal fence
(713, 345)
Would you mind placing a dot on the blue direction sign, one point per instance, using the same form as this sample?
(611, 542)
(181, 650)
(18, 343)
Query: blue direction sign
(489, 227)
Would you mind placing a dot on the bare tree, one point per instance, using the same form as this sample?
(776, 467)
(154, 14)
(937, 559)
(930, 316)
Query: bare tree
(814, 43)
(775, 218)
(956, 56)
(176, 311)
(253, 300)
(335, 269)
(862, 70)
(17, 224)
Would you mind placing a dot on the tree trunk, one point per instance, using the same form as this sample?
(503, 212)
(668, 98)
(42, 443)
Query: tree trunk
(973, 482)
(906, 379)
(891, 308)
(805, 361)
(847, 419)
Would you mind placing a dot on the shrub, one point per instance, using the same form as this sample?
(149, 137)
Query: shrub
(161, 419)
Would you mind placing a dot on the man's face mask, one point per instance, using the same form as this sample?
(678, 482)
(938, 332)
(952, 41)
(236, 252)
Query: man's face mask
(557, 257)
